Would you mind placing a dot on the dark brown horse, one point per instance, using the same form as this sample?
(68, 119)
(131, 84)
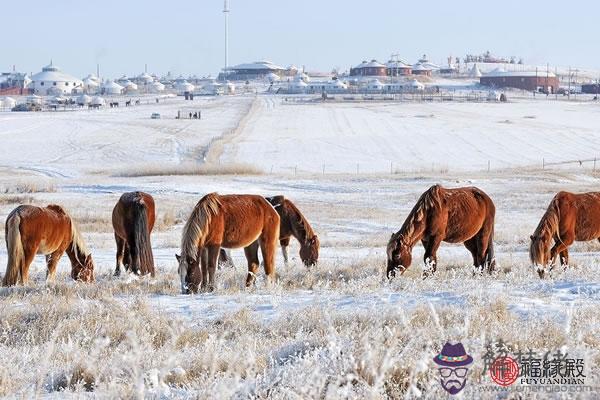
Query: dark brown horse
(463, 215)
(229, 221)
(30, 230)
(570, 217)
(133, 219)
(291, 223)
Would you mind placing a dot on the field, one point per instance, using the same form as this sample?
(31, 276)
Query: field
(338, 330)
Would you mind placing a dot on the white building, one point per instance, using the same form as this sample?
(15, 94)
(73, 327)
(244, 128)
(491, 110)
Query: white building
(111, 88)
(53, 81)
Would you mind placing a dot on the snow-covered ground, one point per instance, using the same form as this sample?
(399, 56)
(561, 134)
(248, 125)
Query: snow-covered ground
(311, 318)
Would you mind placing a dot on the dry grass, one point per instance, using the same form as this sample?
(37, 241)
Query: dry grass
(29, 186)
(190, 169)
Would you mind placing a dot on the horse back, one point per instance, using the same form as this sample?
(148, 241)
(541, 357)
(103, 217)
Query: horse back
(47, 227)
(468, 210)
(126, 211)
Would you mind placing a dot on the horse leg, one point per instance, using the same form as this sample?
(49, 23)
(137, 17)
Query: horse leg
(430, 257)
(204, 269)
(471, 245)
(251, 253)
(285, 242)
(564, 258)
(30, 253)
(213, 259)
(268, 247)
(51, 262)
(127, 258)
(120, 254)
(561, 245)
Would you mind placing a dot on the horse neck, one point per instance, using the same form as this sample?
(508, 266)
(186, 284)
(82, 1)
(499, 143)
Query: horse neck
(75, 254)
(301, 229)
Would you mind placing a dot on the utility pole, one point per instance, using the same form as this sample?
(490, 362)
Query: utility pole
(226, 12)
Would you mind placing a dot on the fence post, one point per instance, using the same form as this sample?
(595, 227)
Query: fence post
(296, 170)
(488, 165)
(391, 168)
(594, 170)
(357, 169)
(323, 169)
(543, 163)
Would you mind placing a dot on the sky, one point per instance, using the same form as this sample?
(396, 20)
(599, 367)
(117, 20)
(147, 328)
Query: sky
(187, 36)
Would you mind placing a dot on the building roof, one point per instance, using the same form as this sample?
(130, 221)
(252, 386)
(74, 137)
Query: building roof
(501, 73)
(397, 64)
(371, 64)
(258, 65)
(51, 73)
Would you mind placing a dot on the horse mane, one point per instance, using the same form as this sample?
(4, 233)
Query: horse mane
(547, 227)
(297, 220)
(195, 229)
(431, 198)
(77, 243)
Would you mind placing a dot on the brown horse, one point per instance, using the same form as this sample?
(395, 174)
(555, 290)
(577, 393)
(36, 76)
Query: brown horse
(570, 217)
(229, 221)
(463, 215)
(51, 231)
(292, 223)
(133, 219)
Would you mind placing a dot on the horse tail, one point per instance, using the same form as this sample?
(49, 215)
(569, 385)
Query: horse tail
(140, 239)
(14, 246)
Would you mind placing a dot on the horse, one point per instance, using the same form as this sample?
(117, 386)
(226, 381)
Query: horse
(291, 223)
(30, 230)
(570, 217)
(462, 215)
(133, 219)
(229, 221)
(128, 103)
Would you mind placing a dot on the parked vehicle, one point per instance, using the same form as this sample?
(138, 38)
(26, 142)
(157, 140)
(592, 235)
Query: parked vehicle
(27, 107)
(155, 116)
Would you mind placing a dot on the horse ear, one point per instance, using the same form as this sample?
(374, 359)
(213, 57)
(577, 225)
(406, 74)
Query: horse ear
(178, 257)
(532, 237)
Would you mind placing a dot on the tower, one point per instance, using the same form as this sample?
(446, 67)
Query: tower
(226, 12)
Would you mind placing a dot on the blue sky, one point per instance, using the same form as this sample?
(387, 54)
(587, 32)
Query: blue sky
(186, 36)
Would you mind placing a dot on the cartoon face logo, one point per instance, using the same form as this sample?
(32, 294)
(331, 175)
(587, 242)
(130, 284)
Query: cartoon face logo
(453, 361)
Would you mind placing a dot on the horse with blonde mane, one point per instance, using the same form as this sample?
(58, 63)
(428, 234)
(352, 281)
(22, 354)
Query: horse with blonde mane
(462, 215)
(30, 230)
(229, 221)
(292, 223)
(570, 217)
(133, 219)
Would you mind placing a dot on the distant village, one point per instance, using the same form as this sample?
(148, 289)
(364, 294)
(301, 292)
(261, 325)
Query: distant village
(369, 77)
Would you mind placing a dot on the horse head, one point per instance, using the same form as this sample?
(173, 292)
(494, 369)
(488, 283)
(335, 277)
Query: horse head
(399, 255)
(539, 253)
(189, 271)
(309, 251)
(83, 270)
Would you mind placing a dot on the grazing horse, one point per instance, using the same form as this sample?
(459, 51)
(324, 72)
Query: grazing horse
(292, 223)
(51, 231)
(229, 221)
(133, 219)
(570, 217)
(462, 215)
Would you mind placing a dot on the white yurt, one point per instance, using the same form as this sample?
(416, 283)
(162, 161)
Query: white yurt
(298, 86)
(8, 102)
(111, 87)
(130, 86)
(84, 100)
(272, 77)
(337, 84)
(91, 84)
(156, 87)
(33, 99)
(183, 86)
(302, 76)
(97, 101)
(52, 79)
(415, 85)
(475, 72)
(145, 79)
(375, 85)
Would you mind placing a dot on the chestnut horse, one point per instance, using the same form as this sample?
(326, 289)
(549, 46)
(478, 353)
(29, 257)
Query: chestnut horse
(292, 223)
(570, 217)
(229, 221)
(133, 219)
(51, 231)
(462, 215)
